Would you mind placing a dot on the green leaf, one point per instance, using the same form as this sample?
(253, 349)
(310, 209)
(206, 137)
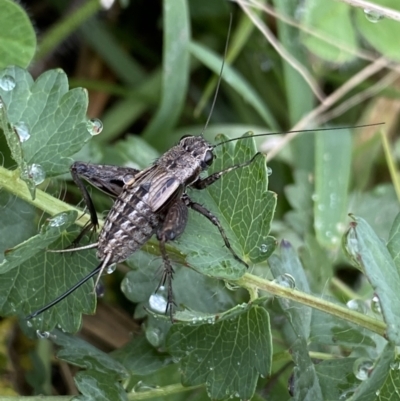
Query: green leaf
(49, 232)
(380, 34)
(394, 242)
(366, 249)
(245, 209)
(97, 386)
(17, 222)
(336, 377)
(390, 389)
(80, 353)
(175, 70)
(44, 276)
(306, 383)
(331, 20)
(18, 39)
(381, 373)
(332, 176)
(140, 358)
(45, 124)
(236, 81)
(228, 356)
(298, 315)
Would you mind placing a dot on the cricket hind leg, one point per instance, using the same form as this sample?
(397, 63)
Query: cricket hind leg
(173, 226)
(109, 179)
(214, 220)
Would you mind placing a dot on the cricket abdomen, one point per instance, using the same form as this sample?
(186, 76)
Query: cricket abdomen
(128, 226)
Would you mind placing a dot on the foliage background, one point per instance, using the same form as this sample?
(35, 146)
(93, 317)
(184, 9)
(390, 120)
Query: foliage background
(142, 80)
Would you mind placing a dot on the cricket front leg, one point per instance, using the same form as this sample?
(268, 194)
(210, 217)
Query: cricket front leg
(173, 226)
(214, 220)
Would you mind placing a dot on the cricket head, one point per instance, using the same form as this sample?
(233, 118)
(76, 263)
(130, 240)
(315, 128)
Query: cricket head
(199, 149)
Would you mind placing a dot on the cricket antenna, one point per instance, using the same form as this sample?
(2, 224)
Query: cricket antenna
(70, 291)
(220, 76)
(299, 131)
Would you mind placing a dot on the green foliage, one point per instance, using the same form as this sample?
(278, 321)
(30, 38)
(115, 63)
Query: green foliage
(237, 333)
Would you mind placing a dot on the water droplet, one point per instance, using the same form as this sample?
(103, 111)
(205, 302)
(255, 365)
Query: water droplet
(111, 269)
(376, 305)
(94, 126)
(29, 323)
(154, 336)
(7, 83)
(158, 302)
(373, 15)
(285, 280)
(377, 392)
(100, 290)
(314, 197)
(211, 368)
(34, 172)
(22, 129)
(362, 368)
(42, 335)
(59, 220)
(269, 171)
(264, 248)
(357, 305)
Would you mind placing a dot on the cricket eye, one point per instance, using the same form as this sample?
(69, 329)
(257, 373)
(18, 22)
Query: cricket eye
(208, 158)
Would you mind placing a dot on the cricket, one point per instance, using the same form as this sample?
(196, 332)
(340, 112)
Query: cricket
(153, 201)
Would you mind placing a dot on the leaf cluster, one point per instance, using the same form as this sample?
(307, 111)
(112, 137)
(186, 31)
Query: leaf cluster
(317, 311)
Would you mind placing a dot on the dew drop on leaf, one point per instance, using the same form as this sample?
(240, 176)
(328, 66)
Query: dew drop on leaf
(269, 171)
(111, 269)
(264, 248)
(29, 323)
(154, 336)
(94, 126)
(22, 129)
(373, 15)
(157, 302)
(376, 305)
(34, 172)
(357, 305)
(7, 83)
(140, 387)
(100, 290)
(362, 368)
(285, 280)
(42, 335)
(59, 220)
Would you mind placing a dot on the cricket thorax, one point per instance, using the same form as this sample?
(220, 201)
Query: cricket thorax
(188, 159)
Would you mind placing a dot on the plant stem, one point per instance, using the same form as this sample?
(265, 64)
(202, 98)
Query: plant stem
(342, 312)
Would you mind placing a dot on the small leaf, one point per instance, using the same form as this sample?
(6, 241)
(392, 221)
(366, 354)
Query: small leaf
(306, 385)
(18, 39)
(48, 234)
(80, 353)
(381, 373)
(333, 21)
(364, 246)
(298, 315)
(45, 124)
(332, 176)
(228, 356)
(140, 358)
(381, 33)
(97, 386)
